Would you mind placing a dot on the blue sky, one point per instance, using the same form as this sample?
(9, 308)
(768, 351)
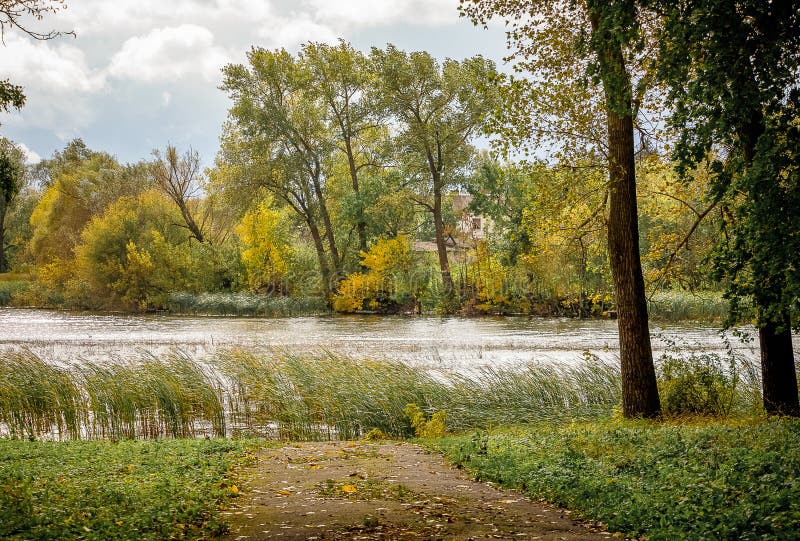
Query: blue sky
(144, 73)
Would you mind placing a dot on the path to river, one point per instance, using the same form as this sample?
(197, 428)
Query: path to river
(441, 342)
(352, 490)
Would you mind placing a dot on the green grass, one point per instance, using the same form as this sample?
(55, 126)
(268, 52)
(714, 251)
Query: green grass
(136, 490)
(244, 304)
(281, 395)
(715, 480)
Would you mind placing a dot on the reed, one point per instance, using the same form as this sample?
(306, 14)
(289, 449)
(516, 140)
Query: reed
(708, 306)
(325, 396)
(37, 398)
(244, 304)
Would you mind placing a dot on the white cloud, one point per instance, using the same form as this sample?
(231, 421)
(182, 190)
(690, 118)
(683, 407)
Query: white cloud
(57, 82)
(289, 33)
(362, 13)
(169, 54)
(31, 157)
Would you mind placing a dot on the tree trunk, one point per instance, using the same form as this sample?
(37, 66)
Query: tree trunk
(3, 259)
(639, 389)
(189, 220)
(329, 234)
(324, 269)
(361, 225)
(441, 246)
(778, 375)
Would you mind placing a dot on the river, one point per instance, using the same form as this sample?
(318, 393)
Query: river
(446, 342)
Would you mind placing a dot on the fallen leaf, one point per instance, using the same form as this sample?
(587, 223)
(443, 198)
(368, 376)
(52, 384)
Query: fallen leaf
(349, 489)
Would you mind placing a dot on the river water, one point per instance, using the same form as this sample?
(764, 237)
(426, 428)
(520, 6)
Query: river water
(446, 342)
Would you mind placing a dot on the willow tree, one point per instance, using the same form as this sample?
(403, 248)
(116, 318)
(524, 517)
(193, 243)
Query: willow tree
(440, 107)
(581, 57)
(733, 70)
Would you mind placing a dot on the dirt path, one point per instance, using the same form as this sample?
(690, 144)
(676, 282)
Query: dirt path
(349, 490)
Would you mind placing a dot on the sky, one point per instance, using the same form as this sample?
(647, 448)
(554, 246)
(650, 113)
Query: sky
(141, 74)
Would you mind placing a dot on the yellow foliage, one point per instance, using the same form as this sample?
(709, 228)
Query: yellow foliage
(355, 290)
(388, 255)
(434, 428)
(389, 261)
(264, 231)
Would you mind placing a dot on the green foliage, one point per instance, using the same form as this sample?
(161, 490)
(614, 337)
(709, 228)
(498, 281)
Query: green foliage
(11, 290)
(136, 254)
(128, 490)
(11, 96)
(700, 384)
(81, 185)
(714, 481)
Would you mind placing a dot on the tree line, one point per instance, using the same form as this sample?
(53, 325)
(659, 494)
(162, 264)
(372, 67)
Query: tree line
(356, 155)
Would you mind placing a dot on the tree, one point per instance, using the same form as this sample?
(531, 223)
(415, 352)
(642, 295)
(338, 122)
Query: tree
(588, 51)
(440, 107)
(344, 80)
(135, 254)
(177, 176)
(11, 14)
(80, 183)
(732, 69)
(279, 138)
(265, 233)
(12, 170)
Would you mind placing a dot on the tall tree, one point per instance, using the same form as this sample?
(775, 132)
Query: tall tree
(733, 70)
(178, 177)
(12, 169)
(592, 47)
(344, 80)
(440, 107)
(278, 133)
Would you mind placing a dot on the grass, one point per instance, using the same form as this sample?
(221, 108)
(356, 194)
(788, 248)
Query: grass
(244, 304)
(708, 480)
(281, 396)
(138, 490)
(706, 306)
(327, 396)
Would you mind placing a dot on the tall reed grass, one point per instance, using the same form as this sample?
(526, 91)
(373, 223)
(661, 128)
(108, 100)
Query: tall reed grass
(706, 306)
(244, 304)
(325, 396)
(281, 395)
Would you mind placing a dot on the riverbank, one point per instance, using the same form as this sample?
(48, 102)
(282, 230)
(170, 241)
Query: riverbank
(692, 479)
(17, 290)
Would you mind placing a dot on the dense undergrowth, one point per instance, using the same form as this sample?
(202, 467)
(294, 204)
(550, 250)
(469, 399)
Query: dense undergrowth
(699, 480)
(142, 490)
